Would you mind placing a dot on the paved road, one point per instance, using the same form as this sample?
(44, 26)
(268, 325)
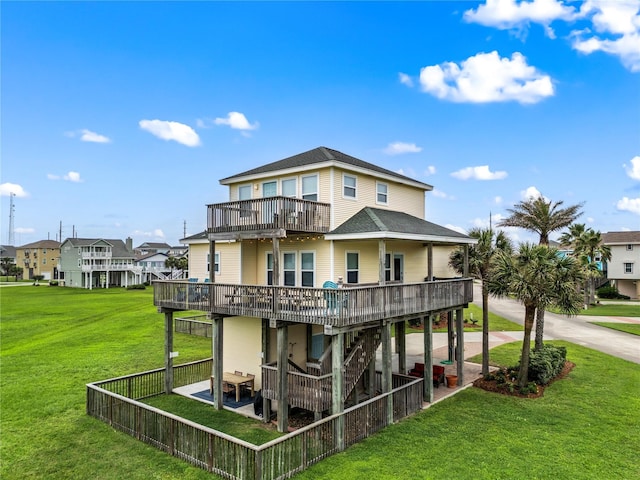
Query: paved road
(576, 329)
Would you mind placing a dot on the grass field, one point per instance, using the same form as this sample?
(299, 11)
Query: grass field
(55, 340)
(631, 309)
(633, 328)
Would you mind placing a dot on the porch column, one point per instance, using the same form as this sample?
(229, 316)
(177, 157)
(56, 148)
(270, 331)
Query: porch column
(283, 385)
(460, 345)
(430, 261)
(266, 403)
(276, 260)
(212, 261)
(465, 264)
(216, 368)
(387, 365)
(450, 335)
(382, 251)
(337, 389)
(427, 390)
(168, 348)
(401, 346)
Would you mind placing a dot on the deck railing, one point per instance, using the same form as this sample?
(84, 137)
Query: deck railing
(112, 402)
(272, 213)
(335, 307)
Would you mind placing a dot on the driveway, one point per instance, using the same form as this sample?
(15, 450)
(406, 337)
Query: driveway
(576, 329)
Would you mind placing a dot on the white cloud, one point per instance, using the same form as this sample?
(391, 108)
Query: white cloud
(88, 136)
(237, 121)
(497, 200)
(511, 15)
(629, 205)
(479, 173)
(409, 172)
(7, 189)
(157, 233)
(440, 194)
(530, 192)
(486, 77)
(24, 230)
(398, 148)
(431, 170)
(73, 177)
(590, 219)
(456, 228)
(51, 176)
(176, 131)
(405, 79)
(633, 170)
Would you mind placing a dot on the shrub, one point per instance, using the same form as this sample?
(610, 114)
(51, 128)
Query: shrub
(53, 283)
(137, 286)
(546, 364)
(611, 292)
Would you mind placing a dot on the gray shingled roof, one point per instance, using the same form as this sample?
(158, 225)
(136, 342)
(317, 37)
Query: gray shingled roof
(621, 237)
(321, 155)
(381, 223)
(42, 244)
(118, 247)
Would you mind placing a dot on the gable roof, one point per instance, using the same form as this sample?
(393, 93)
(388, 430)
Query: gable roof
(153, 245)
(622, 238)
(7, 251)
(118, 247)
(42, 244)
(378, 223)
(322, 157)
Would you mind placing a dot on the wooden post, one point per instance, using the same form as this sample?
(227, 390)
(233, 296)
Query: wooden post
(465, 265)
(337, 390)
(283, 385)
(428, 359)
(266, 403)
(276, 260)
(450, 335)
(387, 366)
(382, 251)
(401, 346)
(216, 368)
(430, 261)
(460, 345)
(168, 348)
(212, 261)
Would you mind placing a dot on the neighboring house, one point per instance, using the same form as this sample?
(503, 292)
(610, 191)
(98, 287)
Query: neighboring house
(153, 267)
(623, 270)
(152, 247)
(39, 258)
(307, 269)
(8, 251)
(98, 263)
(178, 251)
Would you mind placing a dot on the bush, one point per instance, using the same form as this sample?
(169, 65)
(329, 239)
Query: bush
(137, 286)
(546, 364)
(612, 293)
(53, 283)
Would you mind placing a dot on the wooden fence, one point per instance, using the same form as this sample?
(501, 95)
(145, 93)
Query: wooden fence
(197, 325)
(115, 402)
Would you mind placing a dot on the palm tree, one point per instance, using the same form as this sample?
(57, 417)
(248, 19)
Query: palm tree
(587, 246)
(538, 277)
(543, 217)
(480, 256)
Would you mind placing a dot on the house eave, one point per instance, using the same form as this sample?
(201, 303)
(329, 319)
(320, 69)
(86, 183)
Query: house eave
(434, 239)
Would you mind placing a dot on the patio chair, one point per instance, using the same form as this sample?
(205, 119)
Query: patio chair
(238, 372)
(333, 298)
(227, 389)
(246, 388)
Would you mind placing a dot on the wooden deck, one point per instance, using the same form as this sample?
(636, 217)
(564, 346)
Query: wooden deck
(332, 307)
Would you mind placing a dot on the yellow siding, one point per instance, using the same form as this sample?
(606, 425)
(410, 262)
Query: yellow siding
(229, 261)
(441, 267)
(242, 349)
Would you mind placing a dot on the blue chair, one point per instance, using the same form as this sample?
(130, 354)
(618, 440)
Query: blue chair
(331, 297)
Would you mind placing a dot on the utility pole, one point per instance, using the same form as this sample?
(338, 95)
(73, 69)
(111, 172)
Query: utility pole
(184, 229)
(11, 213)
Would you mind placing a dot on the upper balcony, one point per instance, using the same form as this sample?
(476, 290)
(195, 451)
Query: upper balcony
(98, 254)
(335, 307)
(271, 216)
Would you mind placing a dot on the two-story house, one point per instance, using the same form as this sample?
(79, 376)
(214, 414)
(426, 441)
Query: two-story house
(39, 258)
(290, 227)
(98, 263)
(623, 270)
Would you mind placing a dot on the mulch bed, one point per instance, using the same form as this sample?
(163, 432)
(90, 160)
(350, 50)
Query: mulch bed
(492, 385)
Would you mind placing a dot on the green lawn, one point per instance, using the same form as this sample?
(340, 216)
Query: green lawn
(631, 309)
(55, 340)
(633, 328)
(496, 322)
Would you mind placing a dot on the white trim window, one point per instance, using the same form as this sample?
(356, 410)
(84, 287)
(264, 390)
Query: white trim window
(628, 267)
(353, 267)
(382, 193)
(289, 187)
(629, 247)
(216, 263)
(349, 186)
(269, 268)
(244, 193)
(387, 267)
(289, 269)
(310, 187)
(307, 269)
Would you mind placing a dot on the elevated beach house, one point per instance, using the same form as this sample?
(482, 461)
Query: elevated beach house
(304, 274)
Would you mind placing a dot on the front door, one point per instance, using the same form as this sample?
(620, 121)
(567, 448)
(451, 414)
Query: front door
(398, 267)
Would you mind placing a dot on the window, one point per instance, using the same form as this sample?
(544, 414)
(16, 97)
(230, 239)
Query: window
(387, 267)
(244, 192)
(289, 187)
(307, 269)
(630, 247)
(216, 263)
(353, 263)
(310, 188)
(349, 186)
(269, 268)
(289, 269)
(628, 268)
(381, 193)
(44, 261)
(269, 189)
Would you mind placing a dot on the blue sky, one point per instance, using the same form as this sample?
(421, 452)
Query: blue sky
(118, 119)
